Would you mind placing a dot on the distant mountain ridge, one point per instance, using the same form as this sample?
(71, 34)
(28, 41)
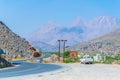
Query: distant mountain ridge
(80, 30)
(43, 46)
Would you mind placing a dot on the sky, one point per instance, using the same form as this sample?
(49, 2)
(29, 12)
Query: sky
(25, 16)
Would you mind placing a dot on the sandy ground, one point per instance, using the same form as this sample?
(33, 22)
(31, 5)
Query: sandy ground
(77, 72)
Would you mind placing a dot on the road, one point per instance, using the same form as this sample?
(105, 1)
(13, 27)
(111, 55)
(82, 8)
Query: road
(82, 72)
(77, 71)
(26, 68)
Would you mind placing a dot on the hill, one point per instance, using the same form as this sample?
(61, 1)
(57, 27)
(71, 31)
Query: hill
(12, 43)
(107, 44)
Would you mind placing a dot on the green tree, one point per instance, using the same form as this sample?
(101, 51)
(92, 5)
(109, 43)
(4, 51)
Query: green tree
(117, 57)
(66, 54)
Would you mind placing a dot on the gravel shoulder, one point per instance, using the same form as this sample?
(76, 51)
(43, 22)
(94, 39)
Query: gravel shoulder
(77, 72)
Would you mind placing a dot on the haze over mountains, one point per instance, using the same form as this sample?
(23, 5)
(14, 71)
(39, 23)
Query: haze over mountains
(80, 30)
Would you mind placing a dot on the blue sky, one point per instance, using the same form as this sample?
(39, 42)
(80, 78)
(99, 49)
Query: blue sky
(25, 16)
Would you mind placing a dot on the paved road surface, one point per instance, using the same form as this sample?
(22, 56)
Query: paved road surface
(26, 68)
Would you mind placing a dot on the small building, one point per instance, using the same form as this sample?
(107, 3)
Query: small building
(99, 58)
(73, 54)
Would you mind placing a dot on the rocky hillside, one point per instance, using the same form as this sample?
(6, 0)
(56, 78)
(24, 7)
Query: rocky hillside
(12, 43)
(108, 44)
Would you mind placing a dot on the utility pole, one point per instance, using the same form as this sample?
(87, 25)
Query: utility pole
(64, 48)
(59, 51)
(64, 45)
(59, 41)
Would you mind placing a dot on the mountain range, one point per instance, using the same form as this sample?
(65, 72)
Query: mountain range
(80, 30)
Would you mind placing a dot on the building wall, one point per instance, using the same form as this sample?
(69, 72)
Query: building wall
(73, 54)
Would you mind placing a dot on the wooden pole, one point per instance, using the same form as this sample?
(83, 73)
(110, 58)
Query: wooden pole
(59, 50)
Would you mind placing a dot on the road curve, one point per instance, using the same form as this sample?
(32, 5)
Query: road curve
(27, 68)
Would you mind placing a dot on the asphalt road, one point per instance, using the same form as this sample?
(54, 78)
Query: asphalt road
(26, 68)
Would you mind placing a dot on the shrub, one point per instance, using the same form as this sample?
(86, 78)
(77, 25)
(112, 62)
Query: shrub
(66, 60)
(70, 60)
(117, 57)
(2, 65)
(73, 60)
(109, 59)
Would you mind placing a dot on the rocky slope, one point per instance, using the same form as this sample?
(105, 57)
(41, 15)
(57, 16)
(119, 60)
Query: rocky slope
(12, 43)
(107, 44)
(80, 30)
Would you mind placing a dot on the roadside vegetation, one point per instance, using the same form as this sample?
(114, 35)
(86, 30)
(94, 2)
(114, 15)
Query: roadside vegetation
(4, 63)
(69, 59)
(98, 58)
(112, 59)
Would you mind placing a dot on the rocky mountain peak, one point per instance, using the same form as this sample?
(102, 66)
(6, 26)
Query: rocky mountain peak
(79, 22)
(106, 20)
(52, 24)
